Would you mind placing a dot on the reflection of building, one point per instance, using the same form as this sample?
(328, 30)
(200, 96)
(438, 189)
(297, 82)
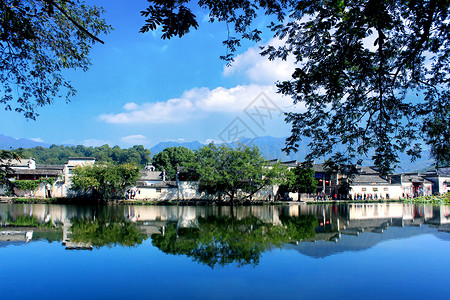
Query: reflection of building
(333, 221)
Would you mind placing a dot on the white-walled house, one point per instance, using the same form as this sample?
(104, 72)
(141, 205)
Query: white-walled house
(440, 179)
(369, 184)
(413, 184)
(54, 179)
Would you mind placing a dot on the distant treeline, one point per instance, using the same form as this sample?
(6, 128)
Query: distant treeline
(56, 155)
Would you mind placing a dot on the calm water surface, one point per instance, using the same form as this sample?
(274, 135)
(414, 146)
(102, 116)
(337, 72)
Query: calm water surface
(369, 251)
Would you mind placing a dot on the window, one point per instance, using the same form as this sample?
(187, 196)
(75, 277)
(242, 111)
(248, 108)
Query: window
(363, 189)
(375, 189)
(385, 189)
(158, 190)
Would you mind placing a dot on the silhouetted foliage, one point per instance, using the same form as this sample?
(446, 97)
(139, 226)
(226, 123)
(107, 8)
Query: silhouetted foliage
(38, 41)
(373, 75)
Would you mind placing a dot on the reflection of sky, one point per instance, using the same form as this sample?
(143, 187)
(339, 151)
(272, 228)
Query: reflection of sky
(397, 268)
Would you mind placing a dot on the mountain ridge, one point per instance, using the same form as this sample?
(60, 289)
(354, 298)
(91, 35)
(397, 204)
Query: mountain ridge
(269, 146)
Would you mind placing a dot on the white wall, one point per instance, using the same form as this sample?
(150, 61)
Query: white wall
(394, 191)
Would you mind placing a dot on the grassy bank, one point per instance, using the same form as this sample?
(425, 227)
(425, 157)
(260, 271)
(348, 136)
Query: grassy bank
(435, 199)
(35, 200)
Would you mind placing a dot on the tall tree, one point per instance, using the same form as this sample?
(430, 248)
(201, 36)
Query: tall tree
(301, 180)
(236, 173)
(38, 40)
(104, 181)
(171, 158)
(373, 75)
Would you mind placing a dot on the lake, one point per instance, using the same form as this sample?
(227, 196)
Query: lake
(345, 251)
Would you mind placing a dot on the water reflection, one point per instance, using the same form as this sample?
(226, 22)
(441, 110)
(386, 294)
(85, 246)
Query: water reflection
(222, 240)
(214, 235)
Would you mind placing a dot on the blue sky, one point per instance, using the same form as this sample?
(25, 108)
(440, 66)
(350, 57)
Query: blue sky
(141, 89)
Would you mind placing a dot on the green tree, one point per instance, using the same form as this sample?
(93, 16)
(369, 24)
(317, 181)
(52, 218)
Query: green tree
(107, 232)
(40, 39)
(171, 158)
(226, 171)
(219, 241)
(105, 181)
(6, 157)
(301, 180)
(55, 154)
(373, 75)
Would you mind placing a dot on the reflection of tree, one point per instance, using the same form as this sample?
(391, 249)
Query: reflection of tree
(221, 241)
(100, 232)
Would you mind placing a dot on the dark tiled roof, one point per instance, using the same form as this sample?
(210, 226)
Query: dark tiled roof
(81, 158)
(415, 178)
(290, 163)
(368, 170)
(369, 179)
(162, 184)
(444, 171)
(50, 167)
(272, 161)
(16, 162)
(147, 175)
(37, 172)
(319, 168)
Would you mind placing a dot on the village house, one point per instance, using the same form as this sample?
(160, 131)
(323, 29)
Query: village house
(440, 179)
(368, 184)
(152, 185)
(413, 184)
(54, 180)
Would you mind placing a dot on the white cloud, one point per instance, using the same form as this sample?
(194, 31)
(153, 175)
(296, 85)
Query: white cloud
(201, 102)
(130, 106)
(215, 141)
(95, 142)
(198, 103)
(137, 139)
(260, 69)
(173, 110)
(39, 140)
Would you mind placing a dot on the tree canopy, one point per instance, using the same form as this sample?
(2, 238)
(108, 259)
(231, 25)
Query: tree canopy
(301, 180)
(219, 241)
(38, 40)
(55, 154)
(106, 231)
(373, 75)
(239, 172)
(171, 158)
(104, 181)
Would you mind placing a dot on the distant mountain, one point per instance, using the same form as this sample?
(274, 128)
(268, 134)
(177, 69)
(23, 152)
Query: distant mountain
(163, 145)
(7, 143)
(270, 148)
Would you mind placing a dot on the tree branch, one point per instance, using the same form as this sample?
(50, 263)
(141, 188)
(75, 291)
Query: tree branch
(51, 2)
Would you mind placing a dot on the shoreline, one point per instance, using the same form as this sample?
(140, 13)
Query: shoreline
(438, 200)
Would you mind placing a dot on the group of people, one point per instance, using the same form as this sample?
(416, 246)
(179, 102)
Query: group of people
(369, 197)
(131, 193)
